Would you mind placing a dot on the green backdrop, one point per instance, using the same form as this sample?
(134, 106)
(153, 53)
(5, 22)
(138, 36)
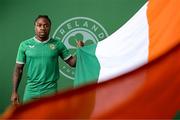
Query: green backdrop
(16, 25)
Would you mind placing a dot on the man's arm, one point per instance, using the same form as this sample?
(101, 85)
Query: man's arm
(72, 60)
(16, 80)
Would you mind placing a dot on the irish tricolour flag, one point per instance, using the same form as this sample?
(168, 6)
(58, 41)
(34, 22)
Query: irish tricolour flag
(151, 32)
(151, 37)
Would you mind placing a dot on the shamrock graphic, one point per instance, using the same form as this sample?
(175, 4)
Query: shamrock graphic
(77, 37)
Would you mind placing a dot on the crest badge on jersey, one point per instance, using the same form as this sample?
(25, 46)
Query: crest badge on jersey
(52, 46)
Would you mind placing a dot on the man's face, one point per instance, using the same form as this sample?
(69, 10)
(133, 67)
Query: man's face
(42, 28)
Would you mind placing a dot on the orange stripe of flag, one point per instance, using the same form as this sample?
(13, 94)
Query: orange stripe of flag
(164, 26)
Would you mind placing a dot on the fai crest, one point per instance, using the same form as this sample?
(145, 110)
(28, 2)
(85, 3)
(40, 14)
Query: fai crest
(78, 28)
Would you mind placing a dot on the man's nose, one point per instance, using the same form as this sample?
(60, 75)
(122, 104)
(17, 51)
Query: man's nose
(43, 27)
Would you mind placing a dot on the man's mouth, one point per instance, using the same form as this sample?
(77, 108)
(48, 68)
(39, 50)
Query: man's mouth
(42, 32)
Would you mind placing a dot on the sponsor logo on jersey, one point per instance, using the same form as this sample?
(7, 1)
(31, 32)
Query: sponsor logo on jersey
(31, 46)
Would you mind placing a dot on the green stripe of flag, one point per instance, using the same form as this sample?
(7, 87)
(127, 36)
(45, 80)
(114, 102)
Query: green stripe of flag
(87, 66)
(177, 117)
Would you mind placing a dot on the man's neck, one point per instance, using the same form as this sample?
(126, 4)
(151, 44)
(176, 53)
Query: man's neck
(42, 39)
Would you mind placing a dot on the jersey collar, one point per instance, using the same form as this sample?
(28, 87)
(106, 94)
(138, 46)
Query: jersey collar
(40, 41)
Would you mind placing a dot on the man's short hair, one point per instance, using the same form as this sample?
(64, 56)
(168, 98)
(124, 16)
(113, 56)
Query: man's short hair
(42, 16)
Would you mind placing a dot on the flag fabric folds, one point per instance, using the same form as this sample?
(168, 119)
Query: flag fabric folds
(124, 50)
(151, 32)
(149, 91)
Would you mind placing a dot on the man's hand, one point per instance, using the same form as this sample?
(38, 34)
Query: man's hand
(15, 98)
(79, 43)
(18, 70)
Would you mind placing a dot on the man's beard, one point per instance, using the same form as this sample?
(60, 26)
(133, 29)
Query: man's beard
(43, 35)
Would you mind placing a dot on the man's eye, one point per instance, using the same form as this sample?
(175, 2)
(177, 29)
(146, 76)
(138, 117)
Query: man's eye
(38, 25)
(46, 26)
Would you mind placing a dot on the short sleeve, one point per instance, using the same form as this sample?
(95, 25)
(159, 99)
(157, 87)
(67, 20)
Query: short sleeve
(63, 51)
(21, 57)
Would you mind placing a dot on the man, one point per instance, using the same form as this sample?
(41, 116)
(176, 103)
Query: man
(40, 54)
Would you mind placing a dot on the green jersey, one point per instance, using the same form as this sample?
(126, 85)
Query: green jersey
(41, 59)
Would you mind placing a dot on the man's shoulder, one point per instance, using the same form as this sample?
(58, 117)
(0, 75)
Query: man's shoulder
(27, 41)
(24, 44)
(56, 41)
